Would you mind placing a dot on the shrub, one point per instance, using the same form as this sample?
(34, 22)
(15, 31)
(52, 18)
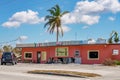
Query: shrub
(27, 61)
(117, 62)
(109, 62)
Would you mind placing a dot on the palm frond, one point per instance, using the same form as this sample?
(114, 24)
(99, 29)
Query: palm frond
(65, 12)
(46, 24)
(110, 40)
(51, 30)
(52, 12)
(114, 36)
(48, 17)
(58, 10)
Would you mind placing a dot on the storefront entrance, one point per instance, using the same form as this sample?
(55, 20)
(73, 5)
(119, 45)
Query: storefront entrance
(38, 57)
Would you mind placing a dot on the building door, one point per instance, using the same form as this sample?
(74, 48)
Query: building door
(38, 57)
(77, 57)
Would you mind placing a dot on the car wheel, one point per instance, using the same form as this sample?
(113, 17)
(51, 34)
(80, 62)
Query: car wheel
(5, 63)
(1, 63)
(13, 63)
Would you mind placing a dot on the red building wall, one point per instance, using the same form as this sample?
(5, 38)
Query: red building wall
(105, 52)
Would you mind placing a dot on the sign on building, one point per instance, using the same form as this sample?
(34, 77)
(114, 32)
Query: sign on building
(61, 52)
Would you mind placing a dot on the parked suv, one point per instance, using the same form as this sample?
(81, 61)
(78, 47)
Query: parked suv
(8, 57)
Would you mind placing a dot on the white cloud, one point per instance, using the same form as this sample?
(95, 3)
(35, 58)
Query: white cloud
(90, 19)
(21, 38)
(85, 27)
(78, 18)
(111, 18)
(65, 29)
(19, 18)
(86, 7)
(11, 24)
(69, 18)
(83, 13)
(110, 5)
(88, 12)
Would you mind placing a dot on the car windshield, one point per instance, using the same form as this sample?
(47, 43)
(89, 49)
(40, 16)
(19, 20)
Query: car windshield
(7, 55)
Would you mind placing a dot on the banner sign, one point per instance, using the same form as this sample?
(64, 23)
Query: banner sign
(62, 52)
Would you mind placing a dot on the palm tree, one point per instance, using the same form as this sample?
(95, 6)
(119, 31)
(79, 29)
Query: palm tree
(114, 35)
(54, 21)
(110, 40)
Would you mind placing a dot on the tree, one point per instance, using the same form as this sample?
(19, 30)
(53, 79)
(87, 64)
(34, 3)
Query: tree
(17, 51)
(114, 37)
(54, 21)
(7, 48)
(110, 40)
(1, 50)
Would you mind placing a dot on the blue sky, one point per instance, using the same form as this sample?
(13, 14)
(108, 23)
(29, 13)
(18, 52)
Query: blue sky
(86, 19)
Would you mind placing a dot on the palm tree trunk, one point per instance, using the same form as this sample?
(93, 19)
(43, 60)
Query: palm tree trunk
(57, 36)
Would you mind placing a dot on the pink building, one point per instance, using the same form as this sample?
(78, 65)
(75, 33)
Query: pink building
(68, 52)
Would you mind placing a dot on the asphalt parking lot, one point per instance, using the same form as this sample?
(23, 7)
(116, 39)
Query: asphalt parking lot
(19, 71)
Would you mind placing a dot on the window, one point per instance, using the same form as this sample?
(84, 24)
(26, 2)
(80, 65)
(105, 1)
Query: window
(28, 55)
(115, 52)
(93, 55)
(77, 53)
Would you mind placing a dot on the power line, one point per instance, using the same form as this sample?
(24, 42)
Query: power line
(9, 41)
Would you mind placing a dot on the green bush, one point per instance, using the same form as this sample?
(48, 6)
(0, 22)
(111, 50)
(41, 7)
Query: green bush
(117, 62)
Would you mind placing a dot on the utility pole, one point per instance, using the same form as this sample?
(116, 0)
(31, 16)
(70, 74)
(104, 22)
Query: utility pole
(75, 35)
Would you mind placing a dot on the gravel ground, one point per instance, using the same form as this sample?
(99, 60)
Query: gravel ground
(19, 71)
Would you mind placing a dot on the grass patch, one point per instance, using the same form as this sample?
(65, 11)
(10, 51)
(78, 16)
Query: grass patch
(65, 73)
